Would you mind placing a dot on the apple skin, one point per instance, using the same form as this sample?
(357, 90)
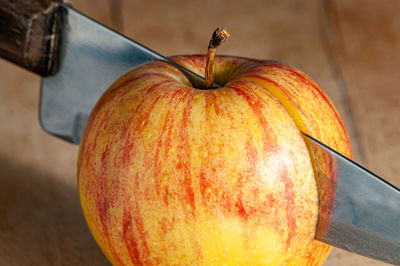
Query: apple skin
(170, 174)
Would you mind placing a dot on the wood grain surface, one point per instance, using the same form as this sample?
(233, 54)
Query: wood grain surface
(350, 47)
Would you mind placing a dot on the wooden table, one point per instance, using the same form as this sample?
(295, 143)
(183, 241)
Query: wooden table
(350, 47)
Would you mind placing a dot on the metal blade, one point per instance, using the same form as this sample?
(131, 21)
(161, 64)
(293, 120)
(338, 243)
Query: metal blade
(365, 214)
(91, 58)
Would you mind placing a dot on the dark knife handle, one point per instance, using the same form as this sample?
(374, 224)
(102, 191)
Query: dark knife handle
(29, 34)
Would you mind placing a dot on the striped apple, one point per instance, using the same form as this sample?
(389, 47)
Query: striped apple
(170, 174)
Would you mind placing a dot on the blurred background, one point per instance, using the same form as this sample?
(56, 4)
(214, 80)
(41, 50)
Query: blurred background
(350, 47)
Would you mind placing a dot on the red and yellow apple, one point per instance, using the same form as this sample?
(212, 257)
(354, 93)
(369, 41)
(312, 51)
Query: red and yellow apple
(174, 175)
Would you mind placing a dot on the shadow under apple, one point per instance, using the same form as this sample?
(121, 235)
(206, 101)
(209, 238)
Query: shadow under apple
(41, 222)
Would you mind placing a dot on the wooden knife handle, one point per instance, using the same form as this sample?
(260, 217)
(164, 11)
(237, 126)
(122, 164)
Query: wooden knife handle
(29, 34)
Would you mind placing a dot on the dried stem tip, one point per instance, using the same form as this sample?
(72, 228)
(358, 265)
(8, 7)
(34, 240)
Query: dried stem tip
(217, 38)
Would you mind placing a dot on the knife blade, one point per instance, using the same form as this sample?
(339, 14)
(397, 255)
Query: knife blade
(364, 216)
(91, 57)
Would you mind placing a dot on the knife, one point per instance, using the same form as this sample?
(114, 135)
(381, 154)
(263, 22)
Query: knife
(364, 216)
(79, 58)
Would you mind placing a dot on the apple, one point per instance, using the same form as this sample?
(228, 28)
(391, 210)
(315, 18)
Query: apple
(172, 174)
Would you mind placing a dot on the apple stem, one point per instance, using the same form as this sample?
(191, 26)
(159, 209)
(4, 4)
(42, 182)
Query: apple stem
(217, 38)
